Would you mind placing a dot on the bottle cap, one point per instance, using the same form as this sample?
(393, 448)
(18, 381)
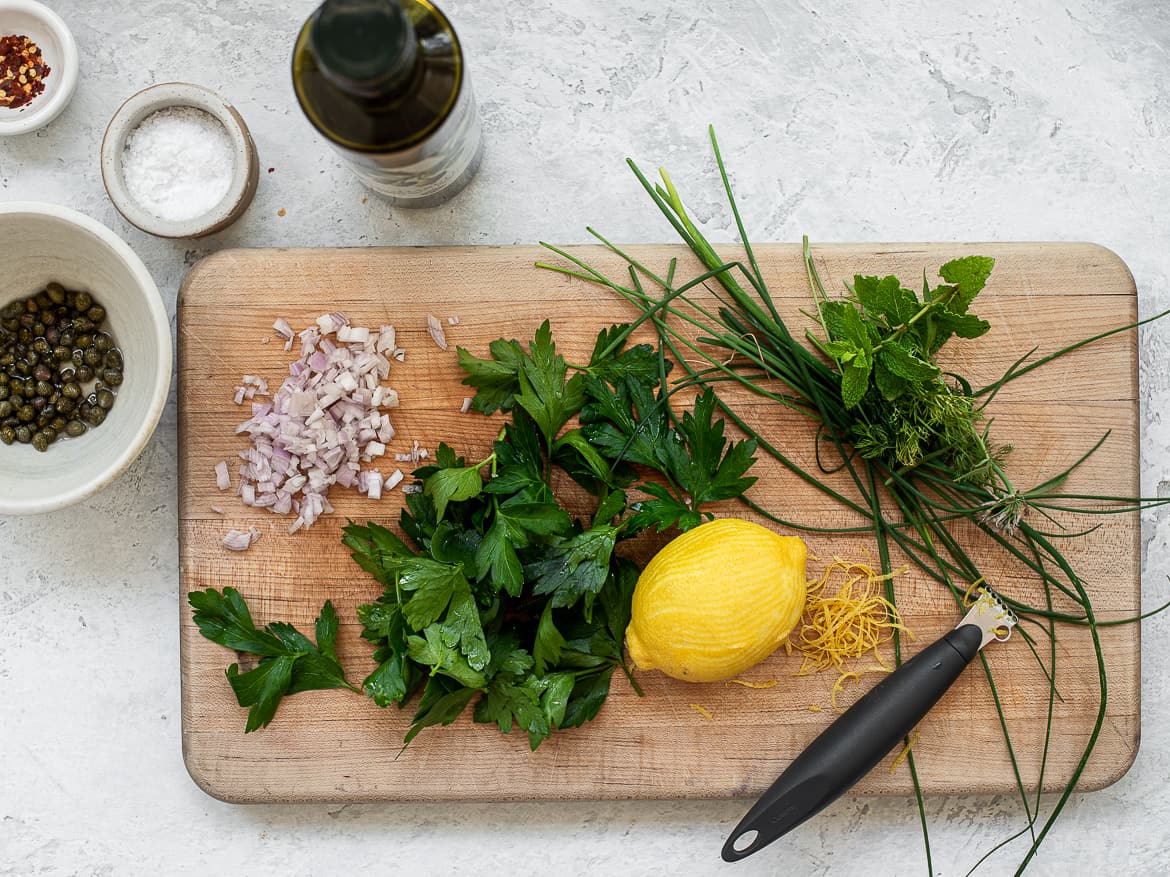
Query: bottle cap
(363, 44)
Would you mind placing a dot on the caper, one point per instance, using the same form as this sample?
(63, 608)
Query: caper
(85, 374)
(73, 428)
(105, 399)
(25, 335)
(40, 441)
(41, 346)
(31, 306)
(102, 342)
(6, 408)
(5, 391)
(97, 313)
(24, 434)
(78, 357)
(72, 390)
(26, 413)
(53, 336)
(57, 424)
(7, 435)
(32, 358)
(38, 404)
(95, 416)
(22, 368)
(42, 299)
(84, 340)
(56, 293)
(65, 405)
(66, 339)
(43, 373)
(83, 410)
(61, 353)
(83, 325)
(112, 376)
(83, 302)
(44, 388)
(67, 371)
(92, 357)
(48, 319)
(114, 359)
(11, 310)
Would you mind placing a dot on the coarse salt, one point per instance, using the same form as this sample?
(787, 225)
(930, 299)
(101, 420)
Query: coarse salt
(178, 163)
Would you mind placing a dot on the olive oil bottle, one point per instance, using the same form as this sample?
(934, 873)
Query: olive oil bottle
(386, 82)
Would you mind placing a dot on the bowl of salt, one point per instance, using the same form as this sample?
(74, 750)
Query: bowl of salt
(179, 162)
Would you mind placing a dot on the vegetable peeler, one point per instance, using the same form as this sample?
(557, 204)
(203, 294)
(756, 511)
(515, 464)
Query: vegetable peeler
(850, 747)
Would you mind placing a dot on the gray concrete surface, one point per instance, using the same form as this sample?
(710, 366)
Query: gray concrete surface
(894, 120)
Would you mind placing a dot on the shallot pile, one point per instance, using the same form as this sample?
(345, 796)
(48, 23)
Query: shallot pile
(323, 423)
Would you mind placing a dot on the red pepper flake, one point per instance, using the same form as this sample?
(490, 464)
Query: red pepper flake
(22, 71)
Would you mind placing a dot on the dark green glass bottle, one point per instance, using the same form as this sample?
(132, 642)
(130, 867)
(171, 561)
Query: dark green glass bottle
(385, 81)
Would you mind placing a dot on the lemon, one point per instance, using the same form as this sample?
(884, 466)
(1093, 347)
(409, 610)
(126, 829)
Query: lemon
(716, 600)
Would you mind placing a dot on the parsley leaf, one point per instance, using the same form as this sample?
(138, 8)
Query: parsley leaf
(289, 661)
(639, 362)
(573, 568)
(547, 649)
(544, 393)
(453, 485)
(442, 702)
(496, 378)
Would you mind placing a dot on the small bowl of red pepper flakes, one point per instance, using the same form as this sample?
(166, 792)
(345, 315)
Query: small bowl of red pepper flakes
(38, 66)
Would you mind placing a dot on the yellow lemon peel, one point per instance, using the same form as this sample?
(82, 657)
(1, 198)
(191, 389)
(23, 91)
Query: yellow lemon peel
(769, 684)
(701, 710)
(904, 754)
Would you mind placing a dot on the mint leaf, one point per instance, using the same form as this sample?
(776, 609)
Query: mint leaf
(903, 363)
(970, 275)
(889, 384)
(887, 298)
(854, 383)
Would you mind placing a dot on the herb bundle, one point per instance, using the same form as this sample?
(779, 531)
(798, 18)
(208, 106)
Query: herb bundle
(912, 442)
(504, 596)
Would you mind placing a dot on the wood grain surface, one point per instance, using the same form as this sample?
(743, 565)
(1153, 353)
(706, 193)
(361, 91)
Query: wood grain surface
(336, 746)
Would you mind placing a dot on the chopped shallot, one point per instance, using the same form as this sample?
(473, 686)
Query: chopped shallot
(452, 321)
(321, 424)
(222, 480)
(466, 406)
(240, 540)
(435, 329)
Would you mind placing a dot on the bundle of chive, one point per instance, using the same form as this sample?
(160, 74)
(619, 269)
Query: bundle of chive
(916, 448)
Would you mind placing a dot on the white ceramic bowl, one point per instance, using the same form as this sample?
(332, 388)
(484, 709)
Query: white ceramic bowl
(43, 243)
(45, 28)
(245, 170)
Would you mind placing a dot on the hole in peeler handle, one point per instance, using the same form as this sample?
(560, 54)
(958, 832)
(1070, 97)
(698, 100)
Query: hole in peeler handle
(740, 845)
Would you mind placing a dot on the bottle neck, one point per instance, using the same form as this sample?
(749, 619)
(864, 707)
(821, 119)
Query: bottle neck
(367, 48)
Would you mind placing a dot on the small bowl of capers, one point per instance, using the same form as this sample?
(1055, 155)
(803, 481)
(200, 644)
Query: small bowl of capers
(85, 357)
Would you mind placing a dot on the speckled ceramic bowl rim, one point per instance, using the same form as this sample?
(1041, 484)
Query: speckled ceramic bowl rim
(245, 176)
(162, 374)
(37, 115)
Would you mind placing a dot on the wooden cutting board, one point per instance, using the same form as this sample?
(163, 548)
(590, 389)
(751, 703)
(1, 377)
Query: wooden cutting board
(336, 746)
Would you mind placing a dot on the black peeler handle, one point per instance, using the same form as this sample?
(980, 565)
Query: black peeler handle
(850, 747)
